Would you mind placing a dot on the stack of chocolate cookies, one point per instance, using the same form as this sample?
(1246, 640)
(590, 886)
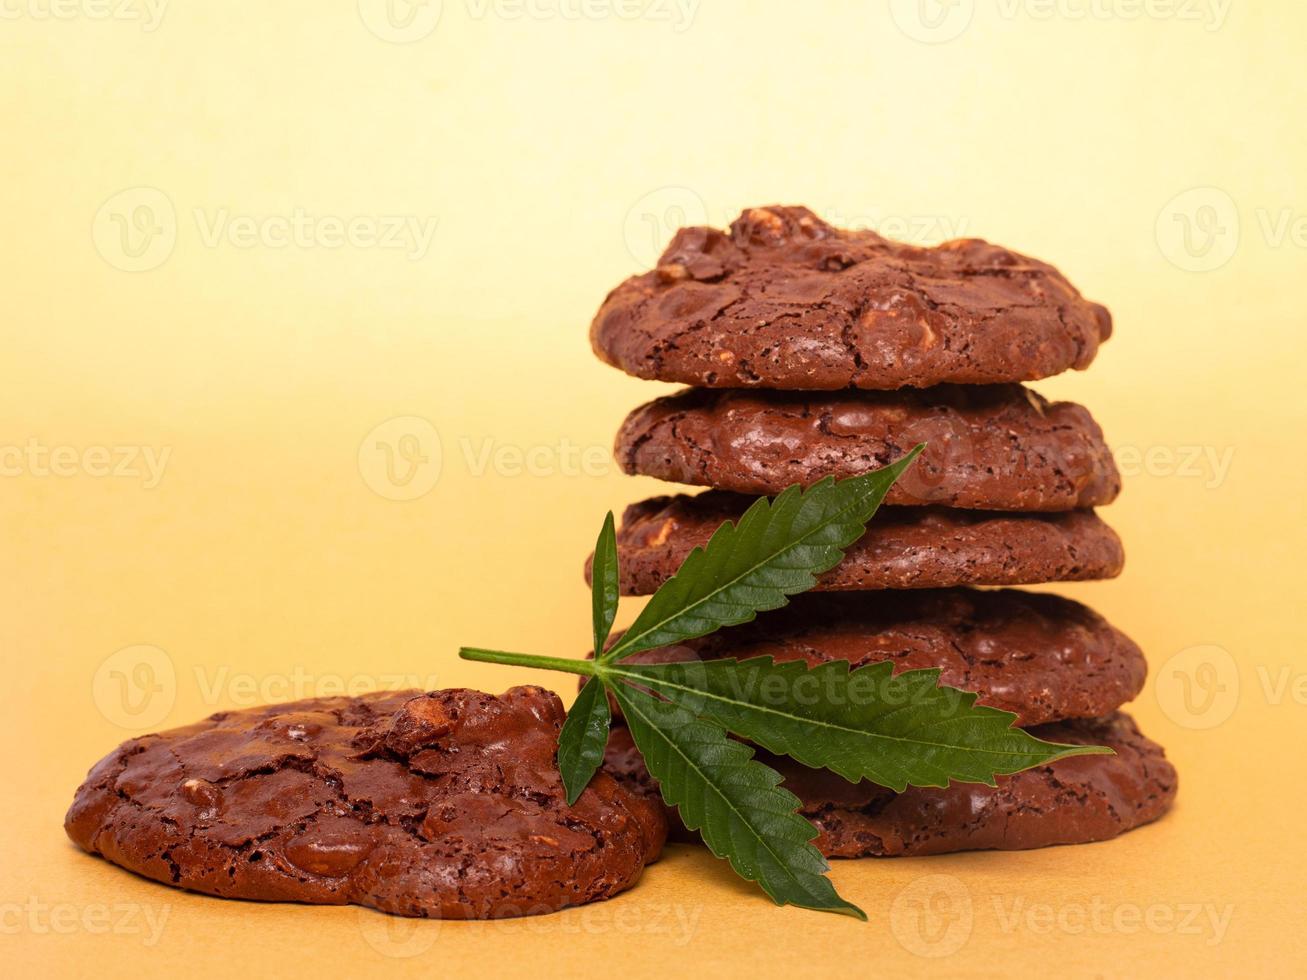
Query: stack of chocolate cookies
(814, 352)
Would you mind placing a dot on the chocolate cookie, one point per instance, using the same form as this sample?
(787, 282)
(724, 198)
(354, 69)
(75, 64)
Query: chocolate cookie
(1002, 447)
(1071, 801)
(904, 547)
(1041, 656)
(447, 804)
(787, 301)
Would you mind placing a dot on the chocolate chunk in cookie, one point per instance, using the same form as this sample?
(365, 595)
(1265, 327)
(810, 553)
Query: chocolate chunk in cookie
(1041, 656)
(784, 300)
(1001, 447)
(1071, 801)
(447, 804)
(904, 547)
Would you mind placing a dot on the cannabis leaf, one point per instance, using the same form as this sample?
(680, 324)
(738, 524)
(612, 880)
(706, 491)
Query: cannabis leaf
(778, 548)
(863, 724)
(583, 737)
(735, 802)
(895, 730)
(585, 732)
(603, 583)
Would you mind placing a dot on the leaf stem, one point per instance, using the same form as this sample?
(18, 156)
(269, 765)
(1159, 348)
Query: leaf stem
(584, 667)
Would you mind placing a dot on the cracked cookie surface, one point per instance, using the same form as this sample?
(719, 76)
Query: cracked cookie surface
(1072, 801)
(1041, 656)
(785, 300)
(904, 547)
(999, 447)
(446, 804)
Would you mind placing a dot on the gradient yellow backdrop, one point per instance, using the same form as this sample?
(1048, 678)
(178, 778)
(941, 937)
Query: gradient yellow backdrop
(249, 245)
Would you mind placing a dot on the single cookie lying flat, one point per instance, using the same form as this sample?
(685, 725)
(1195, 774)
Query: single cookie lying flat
(904, 547)
(1001, 447)
(447, 804)
(1071, 801)
(1041, 656)
(787, 301)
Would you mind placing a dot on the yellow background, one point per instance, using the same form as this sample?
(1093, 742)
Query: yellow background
(554, 151)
